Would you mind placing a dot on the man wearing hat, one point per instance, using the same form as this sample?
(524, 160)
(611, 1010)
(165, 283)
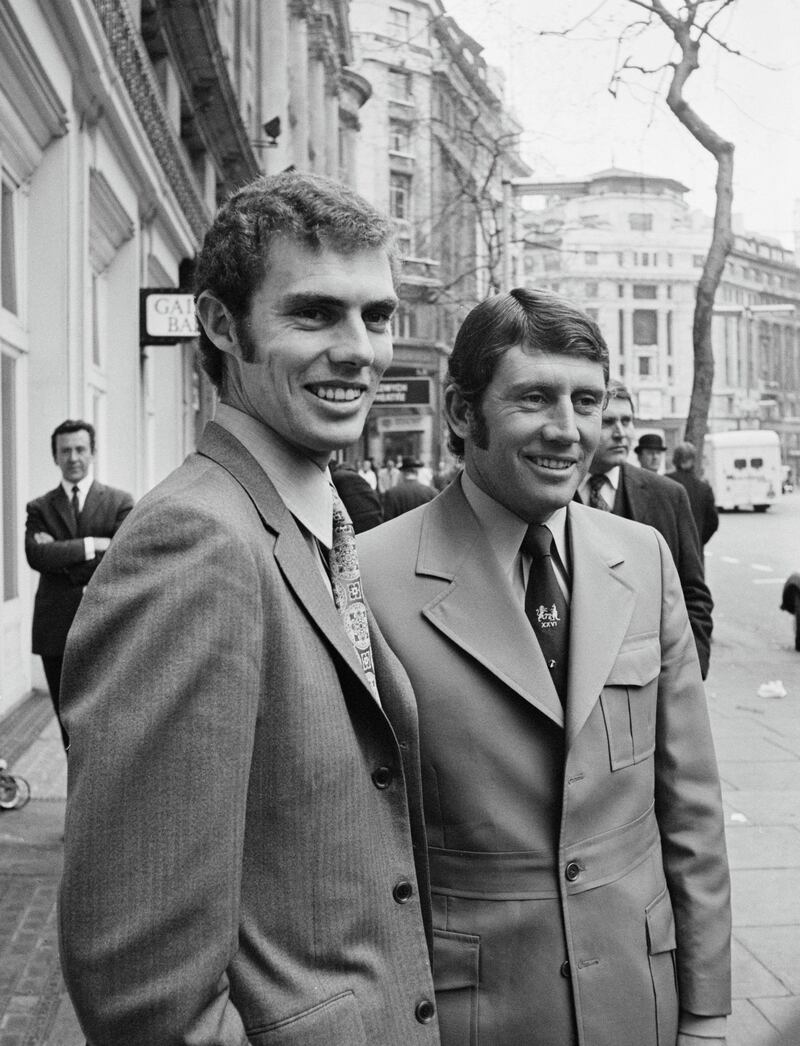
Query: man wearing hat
(408, 492)
(649, 451)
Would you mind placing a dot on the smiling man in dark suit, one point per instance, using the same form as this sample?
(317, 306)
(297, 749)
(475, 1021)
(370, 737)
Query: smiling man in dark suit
(67, 533)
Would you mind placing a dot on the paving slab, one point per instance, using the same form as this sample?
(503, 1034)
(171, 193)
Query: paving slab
(747, 1026)
(778, 949)
(753, 978)
(784, 1017)
(766, 807)
(765, 897)
(763, 846)
(776, 777)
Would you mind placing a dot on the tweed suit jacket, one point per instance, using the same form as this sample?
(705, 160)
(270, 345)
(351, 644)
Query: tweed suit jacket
(578, 869)
(701, 498)
(652, 499)
(244, 846)
(62, 564)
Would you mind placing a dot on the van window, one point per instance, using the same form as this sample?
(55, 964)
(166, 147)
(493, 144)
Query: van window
(756, 463)
(740, 463)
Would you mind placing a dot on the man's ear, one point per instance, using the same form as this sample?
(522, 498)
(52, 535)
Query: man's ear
(218, 323)
(458, 412)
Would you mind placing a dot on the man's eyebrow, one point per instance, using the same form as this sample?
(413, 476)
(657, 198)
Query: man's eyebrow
(312, 299)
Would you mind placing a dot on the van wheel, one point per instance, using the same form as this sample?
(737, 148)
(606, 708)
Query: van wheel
(760, 508)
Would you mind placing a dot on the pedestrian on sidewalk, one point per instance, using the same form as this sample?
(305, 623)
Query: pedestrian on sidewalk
(244, 854)
(67, 533)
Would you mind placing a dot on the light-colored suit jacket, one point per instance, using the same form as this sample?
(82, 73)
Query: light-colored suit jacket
(578, 866)
(242, 816)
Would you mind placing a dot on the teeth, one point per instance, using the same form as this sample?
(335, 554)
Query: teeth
(553, 463)
(335, 395)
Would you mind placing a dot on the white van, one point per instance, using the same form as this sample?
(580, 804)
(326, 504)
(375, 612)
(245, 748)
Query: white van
(743, 468)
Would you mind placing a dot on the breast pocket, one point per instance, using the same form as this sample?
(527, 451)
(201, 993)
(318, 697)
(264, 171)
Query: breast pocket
(629, 701)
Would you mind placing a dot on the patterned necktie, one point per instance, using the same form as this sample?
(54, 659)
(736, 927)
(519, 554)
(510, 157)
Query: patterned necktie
(76, 506)
(348, 594)
(596, 499)
(546, 606)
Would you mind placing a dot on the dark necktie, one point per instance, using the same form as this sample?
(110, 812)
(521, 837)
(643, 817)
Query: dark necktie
(546, 606)
(596, 499)
(76, 506)
(348, 594)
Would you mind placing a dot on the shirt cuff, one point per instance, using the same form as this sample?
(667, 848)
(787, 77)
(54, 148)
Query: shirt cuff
(702, 1027)
(88, 548)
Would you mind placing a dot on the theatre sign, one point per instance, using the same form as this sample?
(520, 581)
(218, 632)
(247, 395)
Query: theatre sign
(404, 392)
(166, 316)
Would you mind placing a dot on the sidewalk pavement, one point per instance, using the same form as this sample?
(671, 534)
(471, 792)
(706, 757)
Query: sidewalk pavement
(758, 747)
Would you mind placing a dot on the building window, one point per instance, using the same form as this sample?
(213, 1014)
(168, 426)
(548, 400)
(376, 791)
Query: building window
(400, 196)
(399, 23)
(620, 290)
(645, 290)
(669, 260)
(399, 85)
(593, 314)
(621, 259)
(640, 222)
(590, 257)
(404, 321)
(645, 327)
(645, 363)
(591, 290)
(399, 138)
(8, 251)
(698, 261)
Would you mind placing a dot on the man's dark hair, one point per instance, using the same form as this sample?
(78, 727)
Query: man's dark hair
(317, 212)
(69, 426)
(534, 319)
(684, 455)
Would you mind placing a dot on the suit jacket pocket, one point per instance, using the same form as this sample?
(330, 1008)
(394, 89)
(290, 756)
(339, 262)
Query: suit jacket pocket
(456, 970)
(336, 1020)
(628, 701)
(661, 955)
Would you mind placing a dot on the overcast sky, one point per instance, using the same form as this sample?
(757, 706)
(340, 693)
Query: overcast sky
(574, 127)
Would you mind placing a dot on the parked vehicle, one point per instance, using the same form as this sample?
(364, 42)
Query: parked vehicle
(744, 468)
(791, 603)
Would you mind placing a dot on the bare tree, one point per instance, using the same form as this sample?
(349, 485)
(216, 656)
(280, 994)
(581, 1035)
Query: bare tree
(691, 25)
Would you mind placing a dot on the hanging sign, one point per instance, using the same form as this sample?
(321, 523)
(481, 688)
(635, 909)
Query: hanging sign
(166, 316)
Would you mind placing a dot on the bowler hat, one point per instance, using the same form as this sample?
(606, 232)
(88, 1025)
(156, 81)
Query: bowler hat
(410, 463)
(650, 441)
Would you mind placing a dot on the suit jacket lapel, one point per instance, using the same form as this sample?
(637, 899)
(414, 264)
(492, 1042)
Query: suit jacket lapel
(291, 551)
(475, 607)
(595, 636)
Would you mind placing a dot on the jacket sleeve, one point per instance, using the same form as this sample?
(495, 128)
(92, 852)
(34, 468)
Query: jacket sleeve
(160, 693)
(81, 573)
(689, 813)
(696, 594)
(57, 555)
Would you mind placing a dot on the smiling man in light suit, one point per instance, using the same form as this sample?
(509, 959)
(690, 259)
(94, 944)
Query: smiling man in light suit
(245, 854)
(578, 869)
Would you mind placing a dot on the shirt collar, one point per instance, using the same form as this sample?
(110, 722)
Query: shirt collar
(82, 485)
(304, 487)
(504, 530)
(612, 477)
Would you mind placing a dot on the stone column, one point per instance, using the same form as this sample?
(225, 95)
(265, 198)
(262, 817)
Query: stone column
(298, 84)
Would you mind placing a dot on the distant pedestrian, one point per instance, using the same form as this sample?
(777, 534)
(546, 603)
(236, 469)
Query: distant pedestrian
(408, 493)
(701, 496)
(650, 451)
(67, 533)
(367, 472)
(388, 476)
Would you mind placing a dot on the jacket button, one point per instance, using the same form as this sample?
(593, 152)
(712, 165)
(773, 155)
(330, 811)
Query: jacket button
(564, 969)
(382, 777)
(572, 871)
(425, 1011)
(403, 891)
